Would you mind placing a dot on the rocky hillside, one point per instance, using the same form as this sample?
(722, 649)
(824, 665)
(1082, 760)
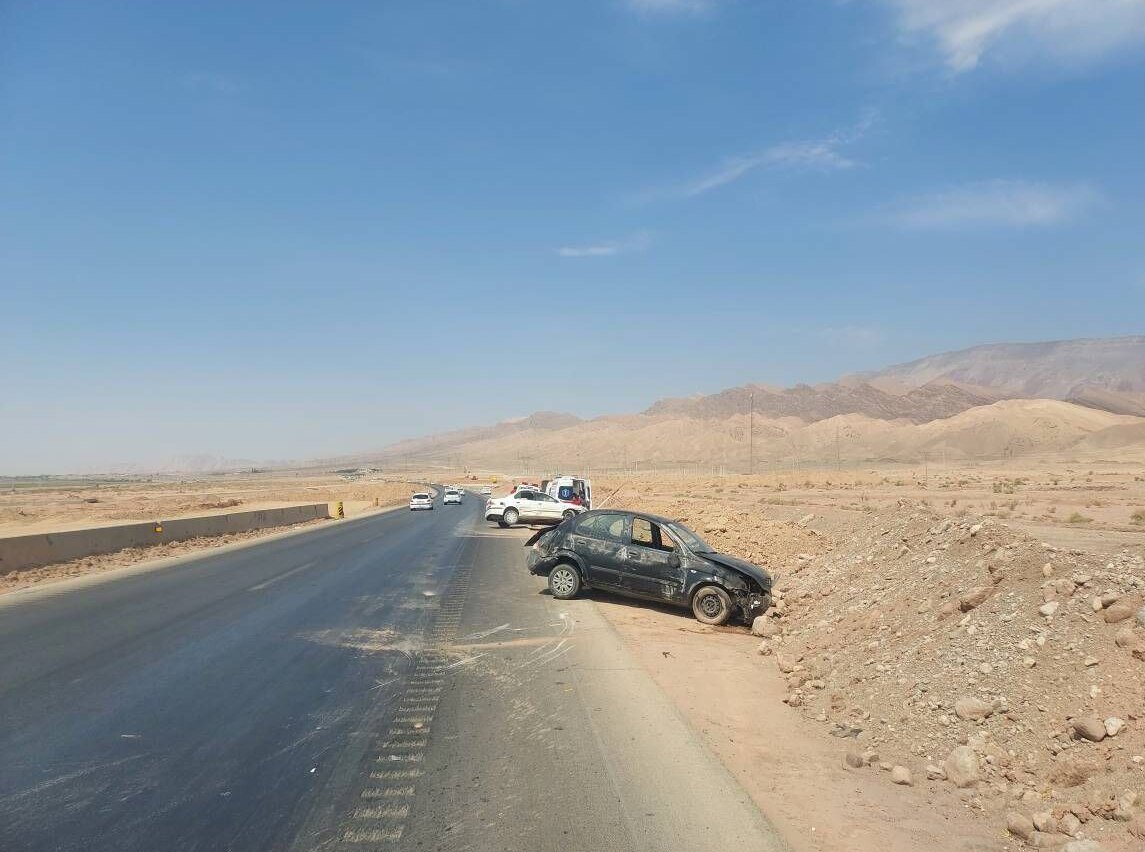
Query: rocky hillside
(988, 401)
(820, 402)
(1091, 371)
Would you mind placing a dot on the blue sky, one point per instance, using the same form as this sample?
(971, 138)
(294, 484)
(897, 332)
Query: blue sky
(283, 229)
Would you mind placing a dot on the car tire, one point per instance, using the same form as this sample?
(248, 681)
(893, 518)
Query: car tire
(564, 581)
(712, 605)
(501, 523)
(511, 517)
(568, 513)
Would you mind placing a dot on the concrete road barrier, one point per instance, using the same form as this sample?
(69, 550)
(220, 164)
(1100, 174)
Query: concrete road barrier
(20, 552)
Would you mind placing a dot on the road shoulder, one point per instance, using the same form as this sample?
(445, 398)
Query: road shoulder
(793, 770)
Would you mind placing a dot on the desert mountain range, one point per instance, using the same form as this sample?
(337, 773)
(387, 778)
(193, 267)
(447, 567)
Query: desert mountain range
(1085, 397)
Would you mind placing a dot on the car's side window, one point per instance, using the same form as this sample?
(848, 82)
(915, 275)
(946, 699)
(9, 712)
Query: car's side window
(587, 525)
(647, 534)
(642, 532)
(608, 527)
(612, 527)
(526, 495)
(545, 498)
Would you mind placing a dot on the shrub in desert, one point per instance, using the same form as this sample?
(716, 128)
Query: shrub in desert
(1078, 518)
(1138, 517)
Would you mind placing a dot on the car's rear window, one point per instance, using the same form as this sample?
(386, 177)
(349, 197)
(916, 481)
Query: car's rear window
(421, 497)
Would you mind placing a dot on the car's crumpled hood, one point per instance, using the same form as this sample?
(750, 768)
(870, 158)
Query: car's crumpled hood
(741, 565)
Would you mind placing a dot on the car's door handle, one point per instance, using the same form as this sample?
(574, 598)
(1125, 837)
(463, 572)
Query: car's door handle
(622, 553)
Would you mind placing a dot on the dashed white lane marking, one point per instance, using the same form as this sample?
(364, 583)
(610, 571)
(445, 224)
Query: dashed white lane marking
(385, 812)
(380, 819)
(373, 835)
(387, 792)
(396, 774)
(274, 580)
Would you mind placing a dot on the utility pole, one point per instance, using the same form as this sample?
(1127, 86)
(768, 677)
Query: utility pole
(750, 433)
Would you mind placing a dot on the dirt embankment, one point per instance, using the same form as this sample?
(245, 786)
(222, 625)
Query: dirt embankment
(978, 663)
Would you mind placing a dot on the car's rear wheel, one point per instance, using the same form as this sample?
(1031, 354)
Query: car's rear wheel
(712, 605)
(568, 513)
(511, 517)
(564, 581)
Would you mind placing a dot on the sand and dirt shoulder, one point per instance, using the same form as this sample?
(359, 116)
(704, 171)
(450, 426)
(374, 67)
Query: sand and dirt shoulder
(1005, 672)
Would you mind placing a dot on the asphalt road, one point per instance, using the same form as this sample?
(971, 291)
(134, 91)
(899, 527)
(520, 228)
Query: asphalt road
(393, 682)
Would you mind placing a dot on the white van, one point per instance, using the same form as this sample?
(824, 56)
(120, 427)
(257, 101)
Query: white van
(569, 489)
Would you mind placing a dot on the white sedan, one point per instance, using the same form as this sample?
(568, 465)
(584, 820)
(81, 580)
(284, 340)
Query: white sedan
(451, 496)
(530, 507)
(421, 500)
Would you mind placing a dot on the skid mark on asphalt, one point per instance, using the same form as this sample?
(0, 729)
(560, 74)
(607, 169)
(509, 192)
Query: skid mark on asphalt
(379, 818)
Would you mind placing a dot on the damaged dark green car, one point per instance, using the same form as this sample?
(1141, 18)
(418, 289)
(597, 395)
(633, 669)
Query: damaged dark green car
(649, 557)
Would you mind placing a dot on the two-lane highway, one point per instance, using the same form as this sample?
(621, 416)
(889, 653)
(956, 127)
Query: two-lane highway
(395, 681)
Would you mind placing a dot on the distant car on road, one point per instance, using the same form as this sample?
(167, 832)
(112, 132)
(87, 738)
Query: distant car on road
(530, 507)
(421, 500)
(451, 496)
(646, 556)
(486, 490)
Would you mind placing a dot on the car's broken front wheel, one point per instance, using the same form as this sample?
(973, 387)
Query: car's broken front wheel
(712, 605)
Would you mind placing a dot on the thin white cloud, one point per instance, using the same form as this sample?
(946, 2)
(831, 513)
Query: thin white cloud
(996, 203)
(822, 155)
(1071, 30)
(853, 336)
(671, 7)
(640, 241)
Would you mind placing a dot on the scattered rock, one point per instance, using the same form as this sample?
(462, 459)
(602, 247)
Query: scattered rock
(974, 597)
(962, 767)
(1088, 728)
(1124, 637)
(970, 708)
(1019, 825)
(1047, 840)
(1083, 846)
(765, 648)
(1044, 821)
(901, 775)
(1048, 609)
(854, 760)
(1118, 612)
(1113, 726)
(1069, 825)
(762, 625)
(935, 773)
(785, 663)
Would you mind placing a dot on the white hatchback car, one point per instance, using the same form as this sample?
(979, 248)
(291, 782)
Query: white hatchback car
(421, 500)
(451, 496)
(530, 507)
